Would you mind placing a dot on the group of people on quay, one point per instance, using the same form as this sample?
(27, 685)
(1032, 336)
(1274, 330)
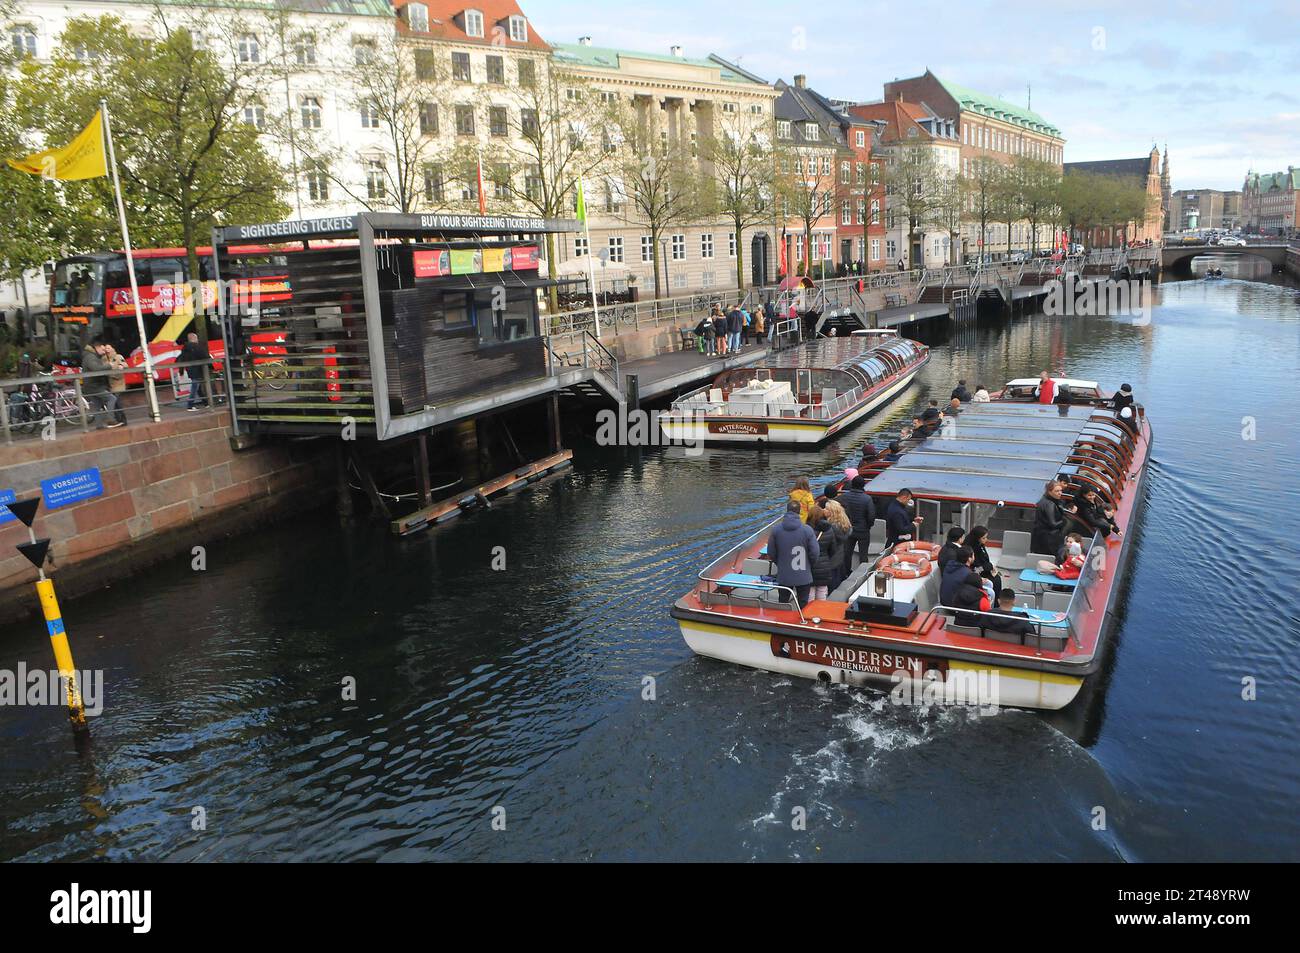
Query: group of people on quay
(727, 330)
(814, 545)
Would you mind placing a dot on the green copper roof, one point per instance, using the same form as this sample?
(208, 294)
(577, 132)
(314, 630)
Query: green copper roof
(350, 8)
(1267, 181)
(601, 57)
(996, 108)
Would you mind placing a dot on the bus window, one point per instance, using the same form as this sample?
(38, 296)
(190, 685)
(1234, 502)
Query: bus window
(78, 284)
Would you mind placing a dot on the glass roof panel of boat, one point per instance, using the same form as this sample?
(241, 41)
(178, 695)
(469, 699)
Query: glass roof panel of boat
(1032, 443)
(846, 353)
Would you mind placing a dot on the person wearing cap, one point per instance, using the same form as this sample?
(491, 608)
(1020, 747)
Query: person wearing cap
(960, 393)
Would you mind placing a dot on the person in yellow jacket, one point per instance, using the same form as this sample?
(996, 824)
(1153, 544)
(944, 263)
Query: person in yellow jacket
(802, 494)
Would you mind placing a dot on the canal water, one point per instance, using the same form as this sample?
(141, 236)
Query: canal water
(520, 696)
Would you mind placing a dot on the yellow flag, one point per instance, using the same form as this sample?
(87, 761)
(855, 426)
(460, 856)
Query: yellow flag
(82, 158)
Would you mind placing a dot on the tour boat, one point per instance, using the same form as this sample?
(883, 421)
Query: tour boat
(885, 624)
(800, 396)
(1069, 390)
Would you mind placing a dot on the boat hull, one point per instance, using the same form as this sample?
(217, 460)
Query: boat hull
(775, 430)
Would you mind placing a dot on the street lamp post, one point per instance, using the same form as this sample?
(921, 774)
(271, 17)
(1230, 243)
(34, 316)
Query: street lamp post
(35, 550)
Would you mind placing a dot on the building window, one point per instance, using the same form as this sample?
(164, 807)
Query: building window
(612, 203)
(469, 189)
(496, 70)
(519, 29)
(426, 65)
(417, 17)
(756, 109)
(616, 249)
(318, 186)
(23, 38)
(579, 247)
(647, 248)
(309, 110)
(376, 187)
(498, 123)
(250, 51)
(528, 122)
(429, 119)
(861, 169)
(304, 51)
(707, 279)
(255, 116)
(875, 249)
(679, 281)
(862, 211)
(533, 183)
(860, 138)
(464, 120)
(706, 245)
(527, 73)
(679, 247)
(811, 132)
(728, 107)
(473, 23)
(460, 67)
(432, 183)
(731, 244)
(501, 182)
(891, 249)
(363, 53)
(826, 165)
(875, 211)
(846, 214)
(369, 116)
(783, 129)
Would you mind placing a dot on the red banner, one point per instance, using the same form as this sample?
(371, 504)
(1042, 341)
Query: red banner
(432, 263)
(524, 258)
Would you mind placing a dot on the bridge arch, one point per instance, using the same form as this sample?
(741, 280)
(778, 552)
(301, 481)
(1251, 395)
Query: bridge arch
(1179, 257)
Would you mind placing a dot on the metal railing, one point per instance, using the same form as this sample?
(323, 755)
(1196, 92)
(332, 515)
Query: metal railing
(584, 349)
(31, 404)
(632, 316)
(735, 565)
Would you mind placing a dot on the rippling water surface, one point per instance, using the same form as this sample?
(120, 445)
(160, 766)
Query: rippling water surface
(522, 690)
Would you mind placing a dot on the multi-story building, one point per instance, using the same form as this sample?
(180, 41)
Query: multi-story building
(986, 127)
(812, 143)
(1191, 209)
(1144, 172)
(293, 51)
(1270, 202)
(680, 103)
(905, 125)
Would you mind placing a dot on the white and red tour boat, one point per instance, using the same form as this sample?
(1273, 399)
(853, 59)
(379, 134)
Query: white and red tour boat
(800, 396)
(885, 624)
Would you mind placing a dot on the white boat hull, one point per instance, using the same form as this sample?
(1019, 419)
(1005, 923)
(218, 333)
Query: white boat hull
(757, 430)
(966, 682)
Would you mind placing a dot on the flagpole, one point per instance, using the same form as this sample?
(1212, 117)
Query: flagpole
(591, 265)
(150, 389)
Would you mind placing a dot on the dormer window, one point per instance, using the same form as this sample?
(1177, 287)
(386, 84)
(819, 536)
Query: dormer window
(783, 128)
(417, 17)
(810, 132)
(473, 23)
(518, 29)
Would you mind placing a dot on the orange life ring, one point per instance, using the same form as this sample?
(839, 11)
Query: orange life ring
(931, 550)
(905, 566)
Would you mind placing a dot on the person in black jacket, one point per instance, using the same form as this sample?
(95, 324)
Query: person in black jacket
(930, 416)
(862, 514)
(900, 525)
(983, 564)
(826, 564)
(954, 543)
(961, 393)
(1049, 519)
(1015, 624)
(793, 547)
(193, 351)
(1095, 517)
(720, 332)
(961, 587)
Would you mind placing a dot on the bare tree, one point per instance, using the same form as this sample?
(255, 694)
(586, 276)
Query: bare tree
(739, 157)
(914, 183)
(809, 188)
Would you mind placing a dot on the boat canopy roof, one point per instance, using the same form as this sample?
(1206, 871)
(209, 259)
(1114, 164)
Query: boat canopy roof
(865, 361)
(1063, 381)
(999, 451)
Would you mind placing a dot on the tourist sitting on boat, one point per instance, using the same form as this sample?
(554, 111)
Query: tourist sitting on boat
(792, 546)
(900, 526)
(962, 588)
(983, 564)
(861, 510)
(949, 549)
(1049, 519)
(1093, 514)
(981, 395)
(1046, 392)
(930, 416)
(1069, 559)
(893, 453)
(802, 494)
(953, 408)
(1014, 623)
(960, 392)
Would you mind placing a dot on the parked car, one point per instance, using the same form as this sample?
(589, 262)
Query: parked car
(1231, 240)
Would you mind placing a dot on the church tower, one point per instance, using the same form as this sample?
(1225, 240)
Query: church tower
(1166, 189)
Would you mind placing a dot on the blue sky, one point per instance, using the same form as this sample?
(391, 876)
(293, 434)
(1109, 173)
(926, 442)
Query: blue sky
(1219, 82)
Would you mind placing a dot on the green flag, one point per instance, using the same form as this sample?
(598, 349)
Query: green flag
(582, 203)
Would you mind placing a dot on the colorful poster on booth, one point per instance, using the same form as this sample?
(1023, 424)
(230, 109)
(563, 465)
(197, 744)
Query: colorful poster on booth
(523, 258)
(432, 263)
(494, 259)
(466, 262)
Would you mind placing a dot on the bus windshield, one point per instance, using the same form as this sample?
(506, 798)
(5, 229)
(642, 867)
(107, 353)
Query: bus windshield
(78, 284)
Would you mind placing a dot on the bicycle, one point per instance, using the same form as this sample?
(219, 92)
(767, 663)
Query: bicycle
(41, 401)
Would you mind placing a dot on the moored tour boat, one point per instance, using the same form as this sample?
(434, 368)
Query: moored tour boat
(885, 624)
(800, 396)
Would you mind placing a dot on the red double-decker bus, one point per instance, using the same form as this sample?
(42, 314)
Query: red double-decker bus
(90, 296)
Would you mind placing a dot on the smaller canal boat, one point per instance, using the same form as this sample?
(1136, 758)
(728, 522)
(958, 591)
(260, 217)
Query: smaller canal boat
(1069, 390)
(887, 625)
(800, 396)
